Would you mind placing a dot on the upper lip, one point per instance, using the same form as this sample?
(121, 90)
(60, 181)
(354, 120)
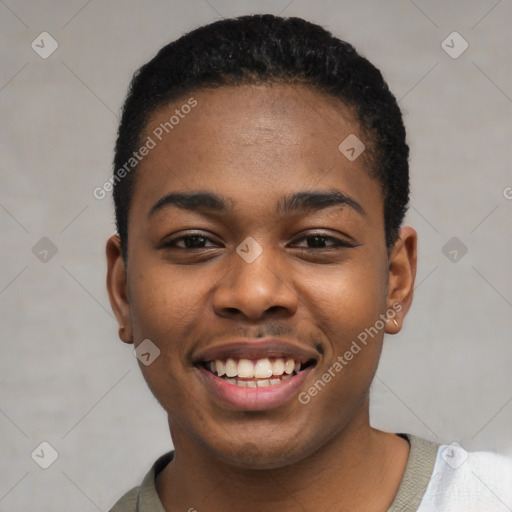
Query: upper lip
(247, 348)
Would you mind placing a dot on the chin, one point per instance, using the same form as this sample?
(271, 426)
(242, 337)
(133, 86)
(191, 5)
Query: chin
(269, 453)
(253, 456)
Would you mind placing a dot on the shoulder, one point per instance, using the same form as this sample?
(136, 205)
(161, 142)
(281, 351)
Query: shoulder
(417, 474)
(144, 496)
(127, 502)
(468, 481)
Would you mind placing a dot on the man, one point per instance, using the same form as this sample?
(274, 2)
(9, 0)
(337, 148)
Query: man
(260, 184)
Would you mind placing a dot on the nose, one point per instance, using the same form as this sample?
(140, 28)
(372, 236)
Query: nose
(251, 289)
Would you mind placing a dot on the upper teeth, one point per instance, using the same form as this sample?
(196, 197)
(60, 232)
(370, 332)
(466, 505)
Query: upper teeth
(259, 368)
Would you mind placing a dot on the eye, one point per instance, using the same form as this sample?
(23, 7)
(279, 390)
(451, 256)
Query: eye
(192, 241)
(314, 241)
(318, 241)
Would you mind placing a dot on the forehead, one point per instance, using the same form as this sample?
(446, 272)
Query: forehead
(273, 117)
(249, 140)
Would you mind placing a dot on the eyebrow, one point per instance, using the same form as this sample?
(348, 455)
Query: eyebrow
(299, 202)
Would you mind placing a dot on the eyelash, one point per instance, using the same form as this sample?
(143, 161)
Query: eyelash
(171, 244)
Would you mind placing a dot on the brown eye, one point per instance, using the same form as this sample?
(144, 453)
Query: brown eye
(193, 241)
(318, 241)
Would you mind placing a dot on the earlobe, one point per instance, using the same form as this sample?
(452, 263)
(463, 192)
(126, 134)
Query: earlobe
(393, 326)
(117, 287)
(401, 278)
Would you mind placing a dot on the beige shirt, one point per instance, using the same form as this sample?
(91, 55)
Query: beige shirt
(418, 471)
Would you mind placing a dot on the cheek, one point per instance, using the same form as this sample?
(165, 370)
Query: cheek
(344, 306)
(163, 302)
(347, 300)
(165, 306)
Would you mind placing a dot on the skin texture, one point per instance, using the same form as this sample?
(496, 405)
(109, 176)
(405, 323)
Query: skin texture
(254, 145)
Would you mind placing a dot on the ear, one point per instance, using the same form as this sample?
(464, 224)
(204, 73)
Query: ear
(117, 287)
(402, 274)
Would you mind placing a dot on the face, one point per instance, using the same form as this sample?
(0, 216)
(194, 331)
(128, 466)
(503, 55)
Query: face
(270, 278)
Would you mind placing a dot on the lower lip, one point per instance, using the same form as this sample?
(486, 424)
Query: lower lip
(252, 399)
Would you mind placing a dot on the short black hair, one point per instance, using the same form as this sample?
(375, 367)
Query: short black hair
(259, 49)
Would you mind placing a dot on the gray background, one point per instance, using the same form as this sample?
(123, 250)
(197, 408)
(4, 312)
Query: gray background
(68, 380)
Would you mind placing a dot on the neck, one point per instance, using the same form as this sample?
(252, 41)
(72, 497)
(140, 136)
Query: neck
(358, 468)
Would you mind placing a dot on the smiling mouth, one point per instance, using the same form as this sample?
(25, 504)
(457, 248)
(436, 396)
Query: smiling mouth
(256, 373)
